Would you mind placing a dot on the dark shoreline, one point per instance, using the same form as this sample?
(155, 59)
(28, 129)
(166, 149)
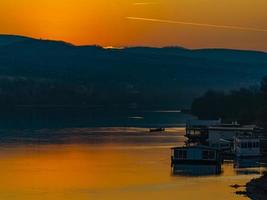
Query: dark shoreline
(256, 189)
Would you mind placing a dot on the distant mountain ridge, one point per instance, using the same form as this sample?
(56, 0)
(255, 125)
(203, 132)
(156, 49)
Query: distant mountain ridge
(9, 39)
(45, 72)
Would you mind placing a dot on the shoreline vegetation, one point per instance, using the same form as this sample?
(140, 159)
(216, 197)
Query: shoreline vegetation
(246, 106)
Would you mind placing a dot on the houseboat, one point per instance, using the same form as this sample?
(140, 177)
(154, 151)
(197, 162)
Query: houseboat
(196, 159)
(216, 134)
(197, 131)
(247, 146)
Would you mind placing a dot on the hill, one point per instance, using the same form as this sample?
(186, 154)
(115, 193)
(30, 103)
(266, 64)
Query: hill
(37, 72)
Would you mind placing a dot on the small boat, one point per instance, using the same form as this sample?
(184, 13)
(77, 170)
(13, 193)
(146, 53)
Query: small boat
(156, 129)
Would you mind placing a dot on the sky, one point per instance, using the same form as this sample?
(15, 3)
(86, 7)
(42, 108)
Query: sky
(238, 24)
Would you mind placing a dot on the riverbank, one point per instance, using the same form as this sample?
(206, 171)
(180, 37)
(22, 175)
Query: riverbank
(256, 189)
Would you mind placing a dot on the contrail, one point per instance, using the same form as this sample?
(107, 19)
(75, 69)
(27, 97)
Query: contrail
(198, 24)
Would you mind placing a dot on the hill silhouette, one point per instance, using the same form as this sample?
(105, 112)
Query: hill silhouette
(35, 72)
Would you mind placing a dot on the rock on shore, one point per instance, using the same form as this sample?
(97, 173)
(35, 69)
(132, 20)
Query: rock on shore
(256, 189)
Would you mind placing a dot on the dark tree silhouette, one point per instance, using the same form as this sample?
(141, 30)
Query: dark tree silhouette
(243, 105)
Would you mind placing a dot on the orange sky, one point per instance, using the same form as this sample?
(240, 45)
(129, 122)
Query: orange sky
(191, 23)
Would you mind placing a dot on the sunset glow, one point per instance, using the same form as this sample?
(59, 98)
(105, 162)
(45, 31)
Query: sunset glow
(110, 22)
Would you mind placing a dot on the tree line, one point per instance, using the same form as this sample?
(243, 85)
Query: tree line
(246, 105)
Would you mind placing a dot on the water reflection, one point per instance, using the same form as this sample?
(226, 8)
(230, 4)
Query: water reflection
(196, 170)
(248, 166)
(105, 171)
(105, 163)
(247, 163)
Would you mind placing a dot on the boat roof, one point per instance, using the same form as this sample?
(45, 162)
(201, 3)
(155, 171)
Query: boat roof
(197, 122)
(195, 147)
(226, 129)
(219, 128)
(247, 137)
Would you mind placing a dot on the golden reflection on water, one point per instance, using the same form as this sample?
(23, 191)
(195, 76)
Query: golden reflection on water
(104, 172)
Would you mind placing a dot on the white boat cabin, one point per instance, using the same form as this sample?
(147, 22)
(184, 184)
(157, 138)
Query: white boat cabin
(216, 134)
(247, 146)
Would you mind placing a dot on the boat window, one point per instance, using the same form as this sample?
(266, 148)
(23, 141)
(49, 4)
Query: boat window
(256, 144)
(181, 154)
(249, 145)
(244, 145)
(208, 155)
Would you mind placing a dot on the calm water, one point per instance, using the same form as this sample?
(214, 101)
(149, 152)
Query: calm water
(107, 163)
(90, 117)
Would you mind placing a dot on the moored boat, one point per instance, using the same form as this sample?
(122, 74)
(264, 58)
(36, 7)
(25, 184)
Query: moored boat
(196, 159)
(247, 146)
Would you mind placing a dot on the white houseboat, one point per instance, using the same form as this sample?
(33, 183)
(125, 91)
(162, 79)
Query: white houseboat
(197, 131)
(216, 134)
(247, 146)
